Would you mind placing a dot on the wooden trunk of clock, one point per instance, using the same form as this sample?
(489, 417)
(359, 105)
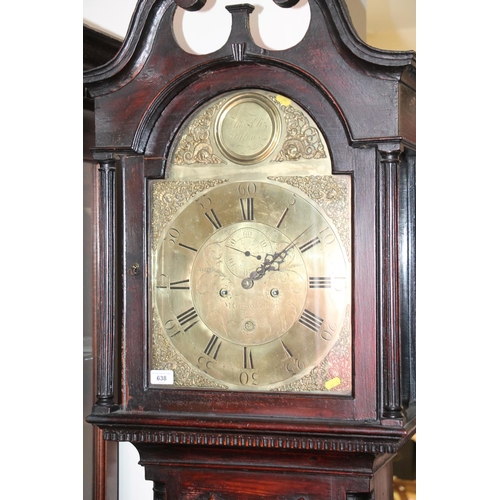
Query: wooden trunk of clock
(256, 259)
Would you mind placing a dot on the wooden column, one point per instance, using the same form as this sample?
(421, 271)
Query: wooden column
(389, 159)
(106, 271)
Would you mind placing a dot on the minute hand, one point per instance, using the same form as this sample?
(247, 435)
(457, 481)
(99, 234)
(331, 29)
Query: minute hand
(278, 258)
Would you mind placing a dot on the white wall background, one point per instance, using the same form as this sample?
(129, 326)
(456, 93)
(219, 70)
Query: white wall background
(387, 24)
(457, 272)
(207, 30)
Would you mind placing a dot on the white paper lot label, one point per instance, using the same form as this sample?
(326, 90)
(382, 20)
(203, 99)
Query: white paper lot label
(162, 377)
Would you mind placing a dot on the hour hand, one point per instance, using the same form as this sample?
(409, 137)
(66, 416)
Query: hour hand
(279, 257)
(268, 265)
(260, 272)
(271, 262)
(246, 252)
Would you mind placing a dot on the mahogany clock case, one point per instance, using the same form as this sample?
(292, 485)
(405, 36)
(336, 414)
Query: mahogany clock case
(362, 101)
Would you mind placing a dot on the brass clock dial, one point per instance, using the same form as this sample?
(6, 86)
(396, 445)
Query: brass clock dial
(251, 285)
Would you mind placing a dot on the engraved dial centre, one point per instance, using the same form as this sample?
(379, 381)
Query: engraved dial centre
(264, 310)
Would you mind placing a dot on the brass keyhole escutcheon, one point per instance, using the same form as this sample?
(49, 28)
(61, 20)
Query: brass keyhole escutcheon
(134, 269)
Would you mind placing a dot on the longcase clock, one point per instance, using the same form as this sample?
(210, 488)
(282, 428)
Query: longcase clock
(256, 259)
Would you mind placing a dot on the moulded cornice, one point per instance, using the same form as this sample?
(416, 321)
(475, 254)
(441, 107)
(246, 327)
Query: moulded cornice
(152, 428)
(342, 444)
(138, 40)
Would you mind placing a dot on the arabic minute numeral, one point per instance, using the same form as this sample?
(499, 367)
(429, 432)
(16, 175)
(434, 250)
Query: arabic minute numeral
(248, 189)
(170, 327)
(173, 236)
(249, 378)
(327, 236)
(328, 332)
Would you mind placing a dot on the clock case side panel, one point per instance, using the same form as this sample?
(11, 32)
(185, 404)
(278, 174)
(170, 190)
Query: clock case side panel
(407, 278)
(396, 287)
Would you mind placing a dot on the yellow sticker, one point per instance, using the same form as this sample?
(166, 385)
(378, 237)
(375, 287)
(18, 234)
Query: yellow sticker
(334, 382)
(283, 100)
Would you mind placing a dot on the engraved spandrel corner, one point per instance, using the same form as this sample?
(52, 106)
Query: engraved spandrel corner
(195, 146)
(302, 141)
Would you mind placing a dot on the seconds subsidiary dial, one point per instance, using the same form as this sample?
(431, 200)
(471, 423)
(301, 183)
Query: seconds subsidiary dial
(252, 284)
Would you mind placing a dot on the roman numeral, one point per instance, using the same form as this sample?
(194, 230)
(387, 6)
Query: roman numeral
(247, 359)
(179, 285)
(213, 219)
(320, 282)
(187, 317)
(246, 205)
(311, 321)
(306, 246)
(213, 346)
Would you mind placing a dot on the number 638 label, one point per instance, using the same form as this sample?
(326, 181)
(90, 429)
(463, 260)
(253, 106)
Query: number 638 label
(162, 377)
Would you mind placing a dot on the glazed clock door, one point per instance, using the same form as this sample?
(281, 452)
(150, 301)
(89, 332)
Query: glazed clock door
(250, 254)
